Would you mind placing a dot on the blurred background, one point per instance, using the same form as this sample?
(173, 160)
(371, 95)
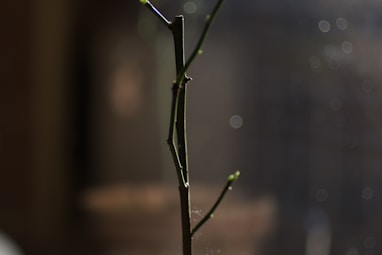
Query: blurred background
(287, 92)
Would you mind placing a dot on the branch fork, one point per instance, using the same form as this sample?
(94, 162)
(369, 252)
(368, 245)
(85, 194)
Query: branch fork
(177, 139)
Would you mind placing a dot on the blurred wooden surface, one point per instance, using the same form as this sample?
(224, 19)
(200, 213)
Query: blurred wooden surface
(146, 220)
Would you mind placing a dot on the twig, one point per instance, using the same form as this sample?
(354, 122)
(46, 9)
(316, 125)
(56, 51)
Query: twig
(180, 121)
(198, 48)
(210, 214)
(178, 36)
(156, 12)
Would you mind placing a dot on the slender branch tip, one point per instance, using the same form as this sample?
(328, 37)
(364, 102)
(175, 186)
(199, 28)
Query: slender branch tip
(157, 13)
(210, 213)
(196, 51)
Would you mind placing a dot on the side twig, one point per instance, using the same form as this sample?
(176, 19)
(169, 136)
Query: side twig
(210, 214)
(156, 12)
(198, 48)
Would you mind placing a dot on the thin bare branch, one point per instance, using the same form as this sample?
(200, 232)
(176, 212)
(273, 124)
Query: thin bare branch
(210, 214)
(198, 48)
(157, 13)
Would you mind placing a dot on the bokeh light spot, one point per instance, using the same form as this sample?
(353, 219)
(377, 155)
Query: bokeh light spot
(367, 193)
(190, 7)
(324, 26)
(236, 121)
(342, 23)
(347, 47)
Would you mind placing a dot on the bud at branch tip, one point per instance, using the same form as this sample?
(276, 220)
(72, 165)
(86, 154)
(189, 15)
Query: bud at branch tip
(233, 177)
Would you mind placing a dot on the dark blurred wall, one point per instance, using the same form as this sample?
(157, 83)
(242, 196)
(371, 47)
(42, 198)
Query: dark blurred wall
(33, 158)
(43, 133)
(15, 130)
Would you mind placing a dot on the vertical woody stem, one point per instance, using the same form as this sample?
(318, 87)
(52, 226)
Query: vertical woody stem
(178, 120)
(178, 34)
(184, 189)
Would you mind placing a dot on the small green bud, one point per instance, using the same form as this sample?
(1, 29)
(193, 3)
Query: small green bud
(211, 215)
(143, 1)
(200, 52)
(233, 177)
